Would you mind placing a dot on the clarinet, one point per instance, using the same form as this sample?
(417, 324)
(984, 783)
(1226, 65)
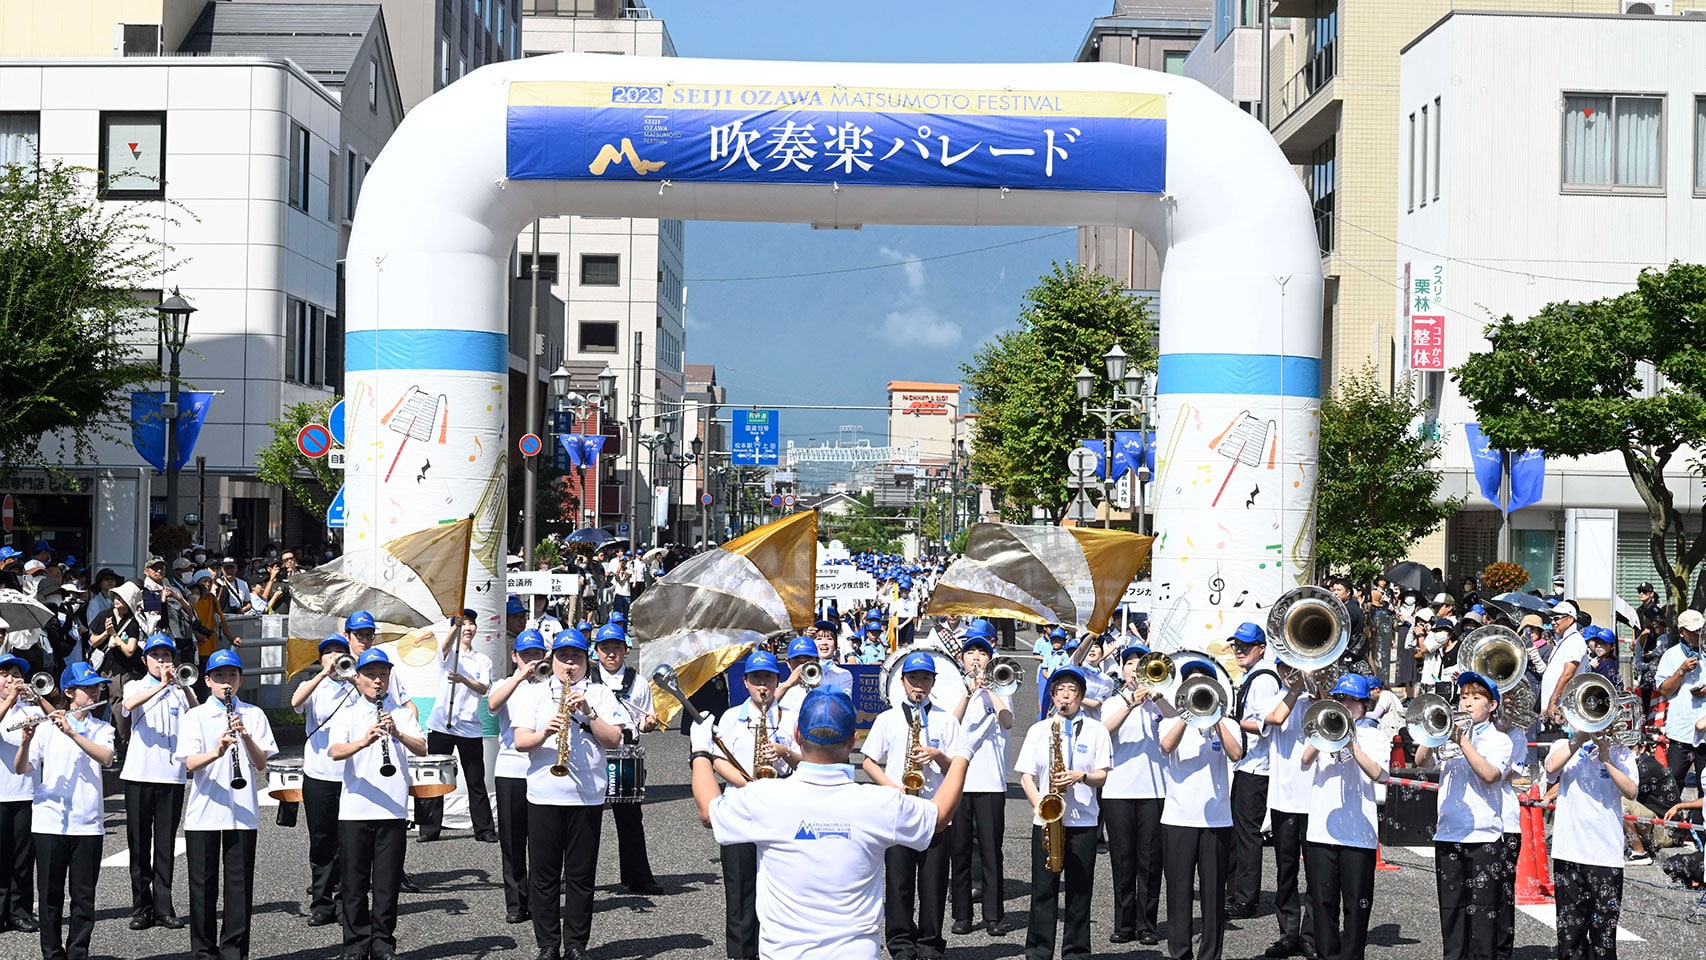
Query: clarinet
(386, 767)
(238, 781)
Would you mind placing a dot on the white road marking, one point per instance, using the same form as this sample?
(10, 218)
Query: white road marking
(122, 858)
(1547, 913)
(1426, 853)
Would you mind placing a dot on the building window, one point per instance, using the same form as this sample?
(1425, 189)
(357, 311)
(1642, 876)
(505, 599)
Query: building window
(140, 40)
(443, 61)
(373, 85)
(1613, 142)
(547, 267)
(20, 139)
(601, 270)
(1323, 174)
(1410, 167)
(1438, 132)
(598, 337)
(133, 156)
(1422, 159)
(299, 174)
(305, 343)
(332, 186)
(1699, 145)
(1173, 61)
(352, 182)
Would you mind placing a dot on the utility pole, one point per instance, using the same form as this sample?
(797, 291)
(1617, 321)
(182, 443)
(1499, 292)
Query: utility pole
(634, 445)
(530, 476)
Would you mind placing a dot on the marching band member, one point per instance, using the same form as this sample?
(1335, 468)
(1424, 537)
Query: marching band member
(65, 754)
(373, 808)
(820, 835)
(460, 733)
(321, 698)
(1594, 776)
(511, 698)
(891, 751)
(634, 715)
(1469, 836)
(154, 783)
(1344, 829)
(738, 729)
(1510, 842)
(1258, 692)
(872, 649)
(1289, 792)
(1086, 754)
(1131, 804)
(17, 852)
(792, 691)
(1196, 823)
(570, 728)
(983, 803)
(834, 674)
(220, 743)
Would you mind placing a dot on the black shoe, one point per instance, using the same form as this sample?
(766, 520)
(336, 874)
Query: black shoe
(1282, 948)
(427, 837)
(171, 922)
(141, 922)
(517, 916)
(408, 885)
(25, 923)
(995, 928)
(1240, 911)
(322, 919)
(648, 888)
(577, 953)
(1309, 952)
(976, 894)
(1148, 939)
(547, 953)
(487, 837)
(961, 928)
(1121, 936)
(382, 953)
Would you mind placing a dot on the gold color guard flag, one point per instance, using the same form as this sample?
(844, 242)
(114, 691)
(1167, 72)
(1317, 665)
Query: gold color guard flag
(1072, 576)
(439, 556)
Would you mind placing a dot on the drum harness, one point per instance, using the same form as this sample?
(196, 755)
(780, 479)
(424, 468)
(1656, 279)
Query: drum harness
(629, 675)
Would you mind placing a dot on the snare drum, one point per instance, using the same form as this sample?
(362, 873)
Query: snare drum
(433, 775)
(284, 779)
(626, 770)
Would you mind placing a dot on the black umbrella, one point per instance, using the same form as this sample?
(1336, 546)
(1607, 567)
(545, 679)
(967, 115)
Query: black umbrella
(591, 535)
(1526, 601)
(1412, 576)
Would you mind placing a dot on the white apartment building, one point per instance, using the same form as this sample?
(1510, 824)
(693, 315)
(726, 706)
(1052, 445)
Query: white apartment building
(621, 279)
(1546, 158)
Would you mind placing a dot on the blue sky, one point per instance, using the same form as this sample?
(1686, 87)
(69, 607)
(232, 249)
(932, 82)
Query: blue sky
(912, 317)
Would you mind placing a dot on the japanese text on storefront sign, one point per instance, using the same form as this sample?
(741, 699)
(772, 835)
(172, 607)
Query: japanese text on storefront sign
(1424, 309)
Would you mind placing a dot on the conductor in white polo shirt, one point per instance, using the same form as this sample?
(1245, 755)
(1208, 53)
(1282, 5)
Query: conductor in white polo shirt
(821, 837)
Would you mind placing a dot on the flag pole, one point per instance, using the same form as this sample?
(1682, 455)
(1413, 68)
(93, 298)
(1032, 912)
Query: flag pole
(456, 628)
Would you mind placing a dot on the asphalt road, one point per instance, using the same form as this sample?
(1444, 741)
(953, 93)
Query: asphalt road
(459, 913)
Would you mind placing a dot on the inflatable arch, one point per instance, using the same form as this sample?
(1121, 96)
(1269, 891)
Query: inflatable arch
(1068, 144)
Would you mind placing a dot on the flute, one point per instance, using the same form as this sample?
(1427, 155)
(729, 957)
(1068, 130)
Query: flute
(30, 724)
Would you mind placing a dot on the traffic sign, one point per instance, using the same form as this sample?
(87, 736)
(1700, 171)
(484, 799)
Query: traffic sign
(335, 423)
(338, 459)
(776, 500)
(314, 440)
(621, 529)
(756, 437)
(335, 512)
(1082, 460)
(788, 500)
(529, 444)
(8, 513)
(705, 499)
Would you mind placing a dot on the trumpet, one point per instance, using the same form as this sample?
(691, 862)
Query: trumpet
(1328, 727)
(811, 675)
(540, 671)
(40, 687)
(343, 668)
(185, 675)
(30, 724)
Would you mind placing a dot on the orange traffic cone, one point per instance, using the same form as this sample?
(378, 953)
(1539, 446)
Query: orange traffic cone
(1380, 862)
(1533, 875)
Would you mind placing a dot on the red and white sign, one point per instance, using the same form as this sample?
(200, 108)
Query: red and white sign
(1427, 342)
(8, 513)
(314, 440)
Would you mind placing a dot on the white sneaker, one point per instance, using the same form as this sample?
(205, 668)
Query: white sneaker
(1638, 860)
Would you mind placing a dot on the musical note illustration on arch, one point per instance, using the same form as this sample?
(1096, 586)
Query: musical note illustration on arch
(1216, 586)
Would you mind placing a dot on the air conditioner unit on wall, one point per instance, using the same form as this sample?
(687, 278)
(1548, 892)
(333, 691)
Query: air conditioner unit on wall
(1647, 7)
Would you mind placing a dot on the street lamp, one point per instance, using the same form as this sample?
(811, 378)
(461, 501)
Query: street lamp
(1129, 398)
(174, 334)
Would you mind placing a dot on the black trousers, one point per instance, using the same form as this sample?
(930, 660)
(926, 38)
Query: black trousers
(1341, 893)
(924, 873)
(1466, 875)
(635, 865)
(1682, 757)
(373, 876)
(66, 871)
(512, 840)
(321, 800)
(562, 854)
(983, 816)
(221, 871)
(740, 900)
(152, 812)
(1079, 873)
(1134, 851)
(1193, 855)
(1291, 909)
(1506, 942)
(1590, 901)
(17, 862)
(1249, 806)
(471, 751)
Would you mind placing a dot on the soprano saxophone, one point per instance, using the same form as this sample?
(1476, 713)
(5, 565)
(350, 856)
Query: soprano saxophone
(1051, 809)
(912, 779)
(561, 767)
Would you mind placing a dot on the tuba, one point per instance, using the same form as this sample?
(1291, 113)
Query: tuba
(1589, 702)
(1328, 727)
(1051, 809)
(1310, 630)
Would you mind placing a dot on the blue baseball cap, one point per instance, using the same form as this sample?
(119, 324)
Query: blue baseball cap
(827, 716)
(1195, 666)
(873, 628)
(762, 661)
(360, 620)
(1058, 633)
(159, 641)
(333, 640)
(80, 675)
(980, 630)
(802, 647)
(978, 643)
(826, 625)
(570, 640)
(42, 545)
(1602, 634)
(919, 661)
(1068, 673)
(8, 552)
(371, 657)
(1133, 650)
(584, 626)
(529, 640)
(610, 631)
(873, 614)
(1353, 685)
(11, 661)
(1470, 676)
(513, 607)
(1249, 633)
(618, 617)
(1072, 644)
(224, 658)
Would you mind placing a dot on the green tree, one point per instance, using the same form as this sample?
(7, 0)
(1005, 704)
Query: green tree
(1021, 384)
(1375, 494)
(312, 482)
(1574, 380)
(77, 338)
(865, 527)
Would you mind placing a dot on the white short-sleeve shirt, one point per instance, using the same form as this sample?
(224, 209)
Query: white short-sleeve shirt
(15, 786)
(1265, 691)
(475, 666)
(738, 728)
(821, 839)
(512, 764)
(154, 734)
(1572, 648)
(1588, 826)
(987, 772)
(1199, 780)
(329, 701)
(1085, 745)
(68, 794)
(588, 777)
(1471, 811)
(1342, 807)
(1510, 813)
(890, 742)
(1289, 783)
(367, 794)
(212, 803)
(1684, 707)
(1138, 763)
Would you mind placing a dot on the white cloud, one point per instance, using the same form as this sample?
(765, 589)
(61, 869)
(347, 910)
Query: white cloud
(691, 322)
(913, 266)
(919, 326)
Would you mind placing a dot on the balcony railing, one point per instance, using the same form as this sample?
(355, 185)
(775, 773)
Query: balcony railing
(1316, 72)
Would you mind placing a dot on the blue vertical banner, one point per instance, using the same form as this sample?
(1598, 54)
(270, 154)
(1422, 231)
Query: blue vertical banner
(1132, 448)
(148, 425)
(571, 444)
(757, 438)
(1489, 464)
(1528, 479)
(1095, 446)
(592, 444)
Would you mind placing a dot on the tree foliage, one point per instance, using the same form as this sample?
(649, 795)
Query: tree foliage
(1376, 489)
(1021, 384)
(312, 483)
(76, 336)
(865, 527)
(1573, 380)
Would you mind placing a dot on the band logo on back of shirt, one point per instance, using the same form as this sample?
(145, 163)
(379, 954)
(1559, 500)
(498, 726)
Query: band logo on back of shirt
(819, 831)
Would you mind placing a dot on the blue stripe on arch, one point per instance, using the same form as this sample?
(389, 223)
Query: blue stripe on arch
(469, 350)
(1258, 374)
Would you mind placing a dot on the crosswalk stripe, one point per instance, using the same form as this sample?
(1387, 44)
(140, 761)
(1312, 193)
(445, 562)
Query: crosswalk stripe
(1426, 853)
(122, 858)
(1547, 913)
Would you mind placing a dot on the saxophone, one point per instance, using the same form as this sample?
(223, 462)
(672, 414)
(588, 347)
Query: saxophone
(561, 767)
(912, 779)
(761, 768)
(1051, 809)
